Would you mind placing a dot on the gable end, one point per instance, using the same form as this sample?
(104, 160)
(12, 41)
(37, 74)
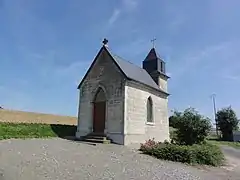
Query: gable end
(95, 59)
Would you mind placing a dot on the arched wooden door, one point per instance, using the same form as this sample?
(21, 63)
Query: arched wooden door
(99, 112)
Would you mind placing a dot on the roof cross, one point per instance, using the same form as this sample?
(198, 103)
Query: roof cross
(105, 41)
(153, 42)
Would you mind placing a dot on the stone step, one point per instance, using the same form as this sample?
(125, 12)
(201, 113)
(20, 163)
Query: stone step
(96, 137)
(97, 134)
(96, 140)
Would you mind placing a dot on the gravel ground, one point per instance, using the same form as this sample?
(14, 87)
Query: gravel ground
(230, 151)
(58, 159)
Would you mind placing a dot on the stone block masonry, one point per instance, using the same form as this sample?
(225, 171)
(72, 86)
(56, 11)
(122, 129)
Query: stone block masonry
(137, 129)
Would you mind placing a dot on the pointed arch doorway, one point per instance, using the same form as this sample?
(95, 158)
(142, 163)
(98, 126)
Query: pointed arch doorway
(99, 112)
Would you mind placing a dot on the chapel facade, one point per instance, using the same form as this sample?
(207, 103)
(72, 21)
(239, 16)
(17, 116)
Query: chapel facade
(122, 101)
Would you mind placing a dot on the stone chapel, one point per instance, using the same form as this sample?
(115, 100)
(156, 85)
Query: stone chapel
(122, 101)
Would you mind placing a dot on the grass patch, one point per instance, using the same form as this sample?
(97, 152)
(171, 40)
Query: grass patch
(211, 139)
(207, 154)
(25, 130)
(226, 143)
(216, 140)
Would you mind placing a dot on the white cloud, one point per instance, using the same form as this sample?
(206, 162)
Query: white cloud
(232, 77)
(230, 73)
(127, 6)
(176, 23)
(207, 55)
(114, 17)
(74, 69)
(130, 4)
(134, 48)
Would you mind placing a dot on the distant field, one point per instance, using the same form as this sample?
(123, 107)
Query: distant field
(12, 116)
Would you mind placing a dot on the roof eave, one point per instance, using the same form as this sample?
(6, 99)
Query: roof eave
(159, 90)
(163, 74)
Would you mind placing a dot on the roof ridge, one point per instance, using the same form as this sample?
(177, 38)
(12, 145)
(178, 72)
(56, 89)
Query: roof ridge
(125, 60)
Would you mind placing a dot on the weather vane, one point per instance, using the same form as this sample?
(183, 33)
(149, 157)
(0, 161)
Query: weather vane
(153, 42)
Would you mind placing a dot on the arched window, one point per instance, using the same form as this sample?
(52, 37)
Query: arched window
(149, 110)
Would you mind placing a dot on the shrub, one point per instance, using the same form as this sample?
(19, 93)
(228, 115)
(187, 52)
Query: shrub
(174, 119)
(149, 144)
(208, 154)
(191, 127)
(195, 154)
(172, 133)
(227, 122)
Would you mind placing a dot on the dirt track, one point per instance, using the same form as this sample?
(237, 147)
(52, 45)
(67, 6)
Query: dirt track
(31, 117)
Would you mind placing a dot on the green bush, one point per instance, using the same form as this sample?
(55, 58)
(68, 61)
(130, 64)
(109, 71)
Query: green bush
(227, 122)
(191, 127)
(174, 119)
(173, 135)
(208, 154)
(196, 154)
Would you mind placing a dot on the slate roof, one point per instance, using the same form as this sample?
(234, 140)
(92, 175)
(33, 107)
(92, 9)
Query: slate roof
(131, 71)
(134, 72)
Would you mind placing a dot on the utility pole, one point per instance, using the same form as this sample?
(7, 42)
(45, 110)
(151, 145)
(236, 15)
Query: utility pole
(214, 111)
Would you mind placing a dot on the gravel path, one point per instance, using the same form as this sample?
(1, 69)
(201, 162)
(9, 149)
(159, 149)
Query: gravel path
(230, 151)
(58, 159)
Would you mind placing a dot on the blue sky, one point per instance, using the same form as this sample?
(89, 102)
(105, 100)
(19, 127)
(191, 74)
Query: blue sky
(47, 46)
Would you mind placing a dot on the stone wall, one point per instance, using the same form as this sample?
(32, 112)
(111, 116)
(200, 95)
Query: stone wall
(106, 75)
(136, 128)
(32, 117)
(163, 83)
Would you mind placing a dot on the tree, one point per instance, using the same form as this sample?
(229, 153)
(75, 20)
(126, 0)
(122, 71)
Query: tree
(174, 119)
(227, 122)
(192, 128)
